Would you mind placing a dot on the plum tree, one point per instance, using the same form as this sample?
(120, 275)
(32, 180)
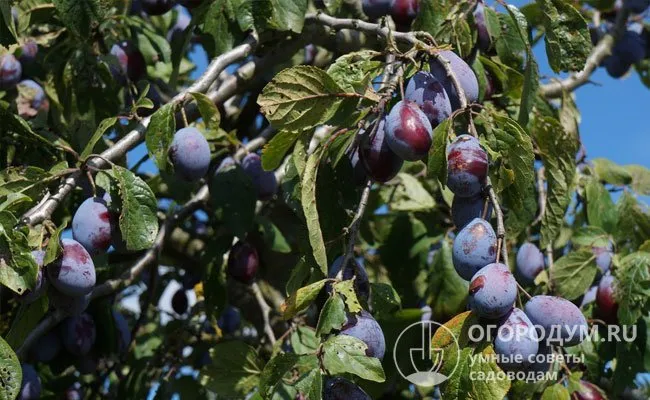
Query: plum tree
(465, 209)
(428, 93)
(30, 388)
(264, 182)
(463, 72)
(69, 305)
(243, 262)
(48, 348)
(73, 274)
(41, 282)
(636, 6)
(123, 331)
(190, 154)
(467, 166)
(378, 160)
(474, 247)
(352, 270)
(375, 9)
(606, 300)
(93, 225)
(10, 71)
(588, 391)
(484, 39)
(342, 389)
(78, 334)
(130, 59)
(180, 302)
(492, 291)
(404, 12)
(516, 342)
(365, 328)
(157, 7)
(229, 320)
(530, 262)
(558, 315)
(408, 131)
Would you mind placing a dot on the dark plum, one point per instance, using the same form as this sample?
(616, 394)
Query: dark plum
(603, 257)
(10, 71)
(157, 7)
(364, 327)
(47, 349)
(180, 302)
(229, 320)
(130, 59)
(616, 67)
(379, 161)
(352, 270)
(123, 331)
(636, 6)
(589, 296)
(265, 182)
(359, 175)
(78, 334)
(630, 49)
(243, 262)
(492, 291)
(467, 166)
(41, 282)
(28, 51)
(464, 73)
(342, 389)
(408, 131)
(404, 12)
(516, 342)
(93, 225)
(190, 3)
(73, 273)
(484, 40)
(176, 31)
(375, 9)
(429, 94)
(588, 391)
(530, 262)
(30, 388)
(69, 305)
(465, 209)
(31, 99)
(556, 315)
(474, 247)
(606, 300)
(226, 163)
(190, 154)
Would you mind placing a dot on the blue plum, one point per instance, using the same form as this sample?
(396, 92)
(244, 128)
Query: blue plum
(589, 296)
(492, 291)
(464, 73)
(379, 161)
(364, 327)
(588, 391)
(30, 388)
(408, 131)
(157, 7)
(130, 59)
(243, 262)
(123, 331)
(180, 302)
(630, 49)
(530, 262)
(229, 320)
(338, 388)
(404, 12)
(615, 67)
(429, 94)
(190, 154)
(352, 270)
(78, 334)
(375, 9)
(264, 182)
(41, 282)
(516, 342)
(47, 349)
(603, 257)
(465, 209)
(10, 71)
(69, 305)
(28, 51)
(474, 247)
(73, 273)
(93, 225)
(636, 6)
(484, 40)
(467, 166)
(606, 299)
(558, 316)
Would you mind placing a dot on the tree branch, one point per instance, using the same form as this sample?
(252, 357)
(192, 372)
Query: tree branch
(266, 311)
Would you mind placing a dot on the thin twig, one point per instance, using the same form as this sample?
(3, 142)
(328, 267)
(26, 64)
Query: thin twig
(266, 311)
(353, 229)
(541, 196)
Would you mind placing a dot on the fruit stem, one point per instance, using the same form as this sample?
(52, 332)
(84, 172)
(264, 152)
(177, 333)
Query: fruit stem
(353, 228)
(523, 291)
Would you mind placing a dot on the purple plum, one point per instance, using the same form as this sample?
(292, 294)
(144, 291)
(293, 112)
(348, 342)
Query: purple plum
(28, 51)
(404, 12)
(78, 334)
(190, 154)
(342, 389)
(130, 59)
(606, 300)
(484, 40)
(30, 388)
(376, 9)
(93, 225)
(10, 71)
(157, 7)
(474, 247)
(364, 327)
(47, 349)
(516, 342)
(467, 166)
(264, 182)
(352, 270)
(379, 161)
(492, 291)
(429, 94)
(465, 209)
(243, 262)
(408, 131)
(557, 317)
(464, 74)
(229, 320)
(73, 273)
(69, 305)
(530, 262)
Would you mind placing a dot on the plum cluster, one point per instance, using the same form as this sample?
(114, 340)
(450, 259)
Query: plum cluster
(264, 182)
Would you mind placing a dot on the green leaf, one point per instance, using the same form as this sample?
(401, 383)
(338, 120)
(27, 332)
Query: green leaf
(409, 195)
(275, 150)
(81, 16)
(600, 207)
(346, 288)
(280, 15)
(237, 371)
(332, 316)
(590, 236)
(431, 15)
(640, 178)
(233, 197)
(53, 249)
(18, 269)
(304, 340)
(610, 172)
(558, 149)
(633, 226)
(273, 236)
(99, 132)
(301, 299)
(25, 321)
(138, 219)
(633, 287)
(447, 291)
(353, 72)
(160, 134)
(308, 199)
(209, 111)
(567, 38)
(274, 370)
(220, 28)
(556, 392)
(384, 298)
(11, 373)
(573, 273)
(301, 98)
(310, 385)
(8, 33)
(347, 354)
